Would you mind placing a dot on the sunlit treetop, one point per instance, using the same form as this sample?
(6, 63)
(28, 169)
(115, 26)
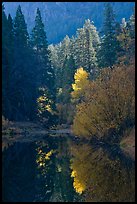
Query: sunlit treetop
(81, 82)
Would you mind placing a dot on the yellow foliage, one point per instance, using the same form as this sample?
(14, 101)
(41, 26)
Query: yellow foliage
(45, 105)
(100, 178)
(73, 173)
(47, 156)
(108, 102)
(80, 171)
(78, 185)
(81, 83)
(43, 156)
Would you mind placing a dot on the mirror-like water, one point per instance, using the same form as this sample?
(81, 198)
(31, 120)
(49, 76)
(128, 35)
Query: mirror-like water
(60, 169)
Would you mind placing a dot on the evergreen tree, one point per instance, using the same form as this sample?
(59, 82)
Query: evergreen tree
(40, 46)
(86, 47)
(5, 66)
(79, 47)
(64, 105)
(123, 36)
(83, 48)
(10, 32)
(63, 50)
(68, 72)
(10, 40)
(94, 33)
(89, 51)
(45, 72)
(55, 62)
(131, 27)
(53, 55)
(109, 45)
(23, 77)
(4, 26)
(126, 38)
(69, 69)
(72, 47)
(66, 46)
(20, 29)
(59, 53)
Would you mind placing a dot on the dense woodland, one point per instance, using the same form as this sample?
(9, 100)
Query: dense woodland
(85, 84)
(86, 81)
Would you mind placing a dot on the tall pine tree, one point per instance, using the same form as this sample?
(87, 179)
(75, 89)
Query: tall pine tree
(45, 72)
(86, 47)
(109, 45)
(40, 47)
(23, 77)
(5, 63)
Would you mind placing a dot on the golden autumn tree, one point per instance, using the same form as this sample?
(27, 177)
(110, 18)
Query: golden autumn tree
(110, 103)
(46, 108)
(80, 85)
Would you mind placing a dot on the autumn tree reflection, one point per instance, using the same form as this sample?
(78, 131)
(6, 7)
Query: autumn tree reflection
(98, 178)
(45, 171)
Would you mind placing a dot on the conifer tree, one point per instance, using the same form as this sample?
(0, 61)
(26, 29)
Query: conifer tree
(55, 62)
(20, 29)
(63, 50)
(68, 72)
(4, 26)
(89, 51)
(131, 27)
(79, 47)
(86, 47)
(72, 47)
(59, 54)
(10, 40)
(94, 33)
(66, 46)
(40, 47)
(5, 60)
(24, 98)
(109, 44)
(53, 55)
(45, 72)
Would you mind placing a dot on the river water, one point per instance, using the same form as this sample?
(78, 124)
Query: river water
(62, 169)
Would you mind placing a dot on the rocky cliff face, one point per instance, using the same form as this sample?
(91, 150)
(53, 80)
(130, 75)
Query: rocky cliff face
(63, 18)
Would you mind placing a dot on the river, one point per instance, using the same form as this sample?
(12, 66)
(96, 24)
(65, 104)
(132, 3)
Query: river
(63, 169)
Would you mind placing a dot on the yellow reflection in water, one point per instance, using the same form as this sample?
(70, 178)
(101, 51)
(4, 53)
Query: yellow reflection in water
(100, 179)
(43, 156)
(78, 186)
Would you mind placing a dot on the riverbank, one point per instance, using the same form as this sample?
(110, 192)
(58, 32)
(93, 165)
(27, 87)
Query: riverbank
(29, 131)
(21, 131)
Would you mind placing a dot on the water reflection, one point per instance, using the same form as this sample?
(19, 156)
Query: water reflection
(99, 178)
(18, 173)
(57, 169)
